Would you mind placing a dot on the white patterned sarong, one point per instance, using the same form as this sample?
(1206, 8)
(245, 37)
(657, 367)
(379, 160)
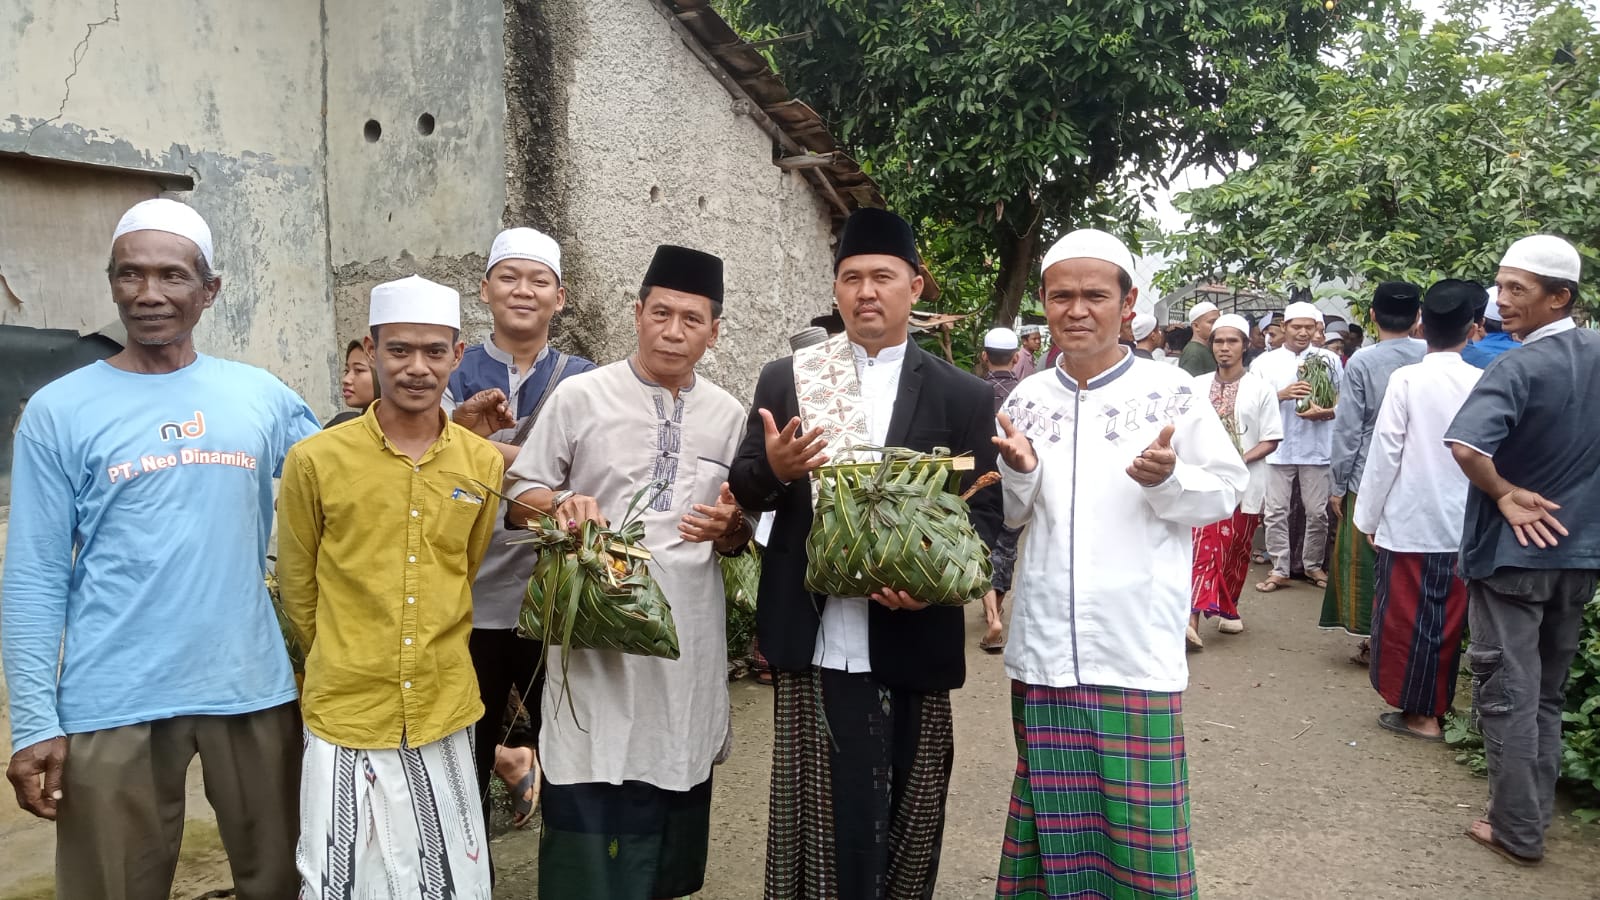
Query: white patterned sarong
(402, 824)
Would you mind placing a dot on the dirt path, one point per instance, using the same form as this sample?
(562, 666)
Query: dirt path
(1297, 792)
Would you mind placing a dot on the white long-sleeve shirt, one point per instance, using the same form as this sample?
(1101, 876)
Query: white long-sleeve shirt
(1413, 496)
(1103, 569)
(1305, 442)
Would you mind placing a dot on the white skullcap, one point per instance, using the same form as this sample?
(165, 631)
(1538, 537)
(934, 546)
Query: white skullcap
(525, 243)
(1544, 254)
(1200, 309)
(1142, 325)
(417, 301)
(1301, 310)
(1089, 243)
(1234, 321)
(1492, 311)
(1001, 339)
(169, 216)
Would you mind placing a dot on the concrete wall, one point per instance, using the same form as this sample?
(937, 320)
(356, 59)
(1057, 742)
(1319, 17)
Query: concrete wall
(401, 202)
(229, 95)
(653, 152)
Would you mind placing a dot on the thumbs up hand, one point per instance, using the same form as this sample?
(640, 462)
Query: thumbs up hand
(1154, 465)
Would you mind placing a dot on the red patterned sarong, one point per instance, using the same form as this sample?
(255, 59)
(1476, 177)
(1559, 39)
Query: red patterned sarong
(1222, 563)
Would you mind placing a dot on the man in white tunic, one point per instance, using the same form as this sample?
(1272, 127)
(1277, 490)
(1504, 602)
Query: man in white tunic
(1248, 409)
(1413, 497)
(1108, 463)
(627, 808)
(1305, 454)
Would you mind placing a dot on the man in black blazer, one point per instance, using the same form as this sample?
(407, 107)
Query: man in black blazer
(862, 739)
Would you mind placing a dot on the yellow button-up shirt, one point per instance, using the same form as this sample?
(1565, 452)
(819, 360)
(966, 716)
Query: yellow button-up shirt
(376, 556)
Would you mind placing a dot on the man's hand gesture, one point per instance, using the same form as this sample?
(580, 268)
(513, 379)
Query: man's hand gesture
(41, 762)
(792, 455)
(712, 523)
(1015, 448)
(1529, 516)
(485, 413)
(1155, 464)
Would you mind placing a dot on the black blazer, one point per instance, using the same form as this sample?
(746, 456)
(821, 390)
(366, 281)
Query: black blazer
(937, 405)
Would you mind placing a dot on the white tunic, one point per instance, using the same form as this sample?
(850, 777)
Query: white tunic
(1102, 583)
(1255, 410)
(608, 433)
(1305, 442)
(1413, 496)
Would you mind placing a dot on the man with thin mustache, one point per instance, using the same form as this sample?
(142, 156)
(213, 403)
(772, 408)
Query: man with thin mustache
(384, 523)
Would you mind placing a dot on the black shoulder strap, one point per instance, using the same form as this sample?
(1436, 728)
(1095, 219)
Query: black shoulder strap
(549, 388)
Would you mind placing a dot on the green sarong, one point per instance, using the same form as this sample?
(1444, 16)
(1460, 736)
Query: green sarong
(1347, 602)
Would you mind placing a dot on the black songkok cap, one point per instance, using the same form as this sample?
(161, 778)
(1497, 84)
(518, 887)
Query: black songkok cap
(870, 230)
(689, 271)
(1452, 304)
(1399, 298)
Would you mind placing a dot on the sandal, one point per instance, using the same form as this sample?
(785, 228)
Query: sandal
(1396, 722)
(1317, 577)
(1260, 559)
(998, 645)
(1500, 850)
(1273, 583)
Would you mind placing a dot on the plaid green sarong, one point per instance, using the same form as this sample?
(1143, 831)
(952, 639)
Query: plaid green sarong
(1100, 804)
(1347, 601)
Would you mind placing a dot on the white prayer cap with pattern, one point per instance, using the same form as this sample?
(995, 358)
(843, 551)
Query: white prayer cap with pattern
(417, 301)
(525, 243)
(1544, 254)
(1142, 325)
(1089, 243)
(169, 216)
(1301, 310)
(1234, 321)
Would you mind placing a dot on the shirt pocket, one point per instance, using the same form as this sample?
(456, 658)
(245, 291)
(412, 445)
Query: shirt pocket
(457, 516)
(709, 476)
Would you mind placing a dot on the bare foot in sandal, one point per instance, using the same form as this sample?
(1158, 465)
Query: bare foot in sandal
(1317, 577)
(1482, 832)
(1274, 582)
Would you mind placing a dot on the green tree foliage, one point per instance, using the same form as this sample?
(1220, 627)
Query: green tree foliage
(1419, 153)
(1001, 123)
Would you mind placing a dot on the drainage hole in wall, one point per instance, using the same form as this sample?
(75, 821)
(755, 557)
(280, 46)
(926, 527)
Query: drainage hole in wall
(372, 130)
(425, 123)
(655, 194)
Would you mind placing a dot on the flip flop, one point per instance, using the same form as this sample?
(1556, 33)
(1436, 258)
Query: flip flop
(1272, 585)
(1503, 853)
(1320, 580)
(523, 805)
(1396, 722)
(986, 646)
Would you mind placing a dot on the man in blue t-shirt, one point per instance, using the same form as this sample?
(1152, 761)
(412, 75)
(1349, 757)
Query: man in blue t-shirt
(1530, 545)
(141, 505)
(498, 391)
(1495, 341)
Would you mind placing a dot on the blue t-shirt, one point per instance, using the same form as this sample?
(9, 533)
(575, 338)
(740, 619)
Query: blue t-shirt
(1481, 353)
(141, 507)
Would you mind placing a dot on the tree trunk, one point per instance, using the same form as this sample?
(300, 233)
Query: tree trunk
(1017, 250)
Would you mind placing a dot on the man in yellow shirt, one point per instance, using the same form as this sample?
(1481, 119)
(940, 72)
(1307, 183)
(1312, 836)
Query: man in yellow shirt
(383, 521)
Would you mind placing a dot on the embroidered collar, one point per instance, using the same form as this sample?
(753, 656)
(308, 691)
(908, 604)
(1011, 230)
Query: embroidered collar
(1104, 378)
